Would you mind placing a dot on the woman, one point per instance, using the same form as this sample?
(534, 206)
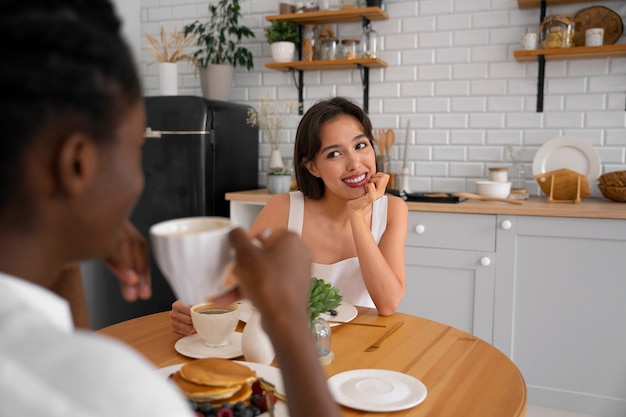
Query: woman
(73, 121)
(356, 232)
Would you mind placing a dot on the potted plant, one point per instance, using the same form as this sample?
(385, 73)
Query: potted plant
(219, 48)
(167, 52)
(278, 180)
(283, 36)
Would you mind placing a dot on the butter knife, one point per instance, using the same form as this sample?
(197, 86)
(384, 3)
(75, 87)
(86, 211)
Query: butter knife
(377, 343)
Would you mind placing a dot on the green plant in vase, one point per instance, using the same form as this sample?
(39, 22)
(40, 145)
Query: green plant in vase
(322, 298)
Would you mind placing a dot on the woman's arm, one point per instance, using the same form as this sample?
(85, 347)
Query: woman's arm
(382, 265)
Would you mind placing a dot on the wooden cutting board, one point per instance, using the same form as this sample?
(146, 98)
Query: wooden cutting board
(598, 17)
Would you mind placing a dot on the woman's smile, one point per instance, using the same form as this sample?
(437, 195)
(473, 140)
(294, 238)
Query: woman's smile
(356, 181)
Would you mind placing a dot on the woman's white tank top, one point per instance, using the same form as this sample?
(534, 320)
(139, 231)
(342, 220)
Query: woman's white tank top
(345, 274)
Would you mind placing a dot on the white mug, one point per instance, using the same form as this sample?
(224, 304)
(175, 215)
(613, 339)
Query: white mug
(194, 255)
(594, 37)
(529, 41)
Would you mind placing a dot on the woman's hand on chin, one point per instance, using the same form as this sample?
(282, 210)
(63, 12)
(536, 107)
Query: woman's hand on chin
(374, 190)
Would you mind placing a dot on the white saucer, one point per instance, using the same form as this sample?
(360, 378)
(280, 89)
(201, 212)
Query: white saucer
(193, 346)
(377, 390)
(345, 313)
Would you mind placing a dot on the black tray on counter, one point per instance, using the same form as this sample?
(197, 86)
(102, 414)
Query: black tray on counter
(428, 197)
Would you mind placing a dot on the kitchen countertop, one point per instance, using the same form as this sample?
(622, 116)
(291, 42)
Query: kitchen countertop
(599, 208)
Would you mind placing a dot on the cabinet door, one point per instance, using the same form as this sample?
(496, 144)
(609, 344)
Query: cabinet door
(450, 270)
(560, 312)
(452, 287)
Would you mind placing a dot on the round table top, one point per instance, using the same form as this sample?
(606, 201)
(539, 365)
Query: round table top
(464, 375)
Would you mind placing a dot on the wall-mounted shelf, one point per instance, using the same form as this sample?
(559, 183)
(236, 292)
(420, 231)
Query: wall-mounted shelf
(336, 64)
(333, 16)
(529, 4)
(578, 52)
(543, 55)
(359, 14)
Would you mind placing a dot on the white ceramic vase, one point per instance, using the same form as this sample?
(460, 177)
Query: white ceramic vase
(255, 343)
(276, 160)
(216, 81)
(283, 51)
(168, 79)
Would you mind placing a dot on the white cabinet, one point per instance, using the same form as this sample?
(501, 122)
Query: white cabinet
(450, 270)
(560, 310)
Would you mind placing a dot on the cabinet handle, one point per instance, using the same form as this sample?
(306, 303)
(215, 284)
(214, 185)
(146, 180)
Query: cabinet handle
(506, 225)
(419, 229)
(485, 261)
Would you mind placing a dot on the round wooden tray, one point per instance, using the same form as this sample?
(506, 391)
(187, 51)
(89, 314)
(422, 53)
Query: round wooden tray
(598, 17)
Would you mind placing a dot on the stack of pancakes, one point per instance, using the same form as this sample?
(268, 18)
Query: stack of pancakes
(215, 380)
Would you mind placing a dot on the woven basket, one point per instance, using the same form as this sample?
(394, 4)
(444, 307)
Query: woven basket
(613, 179)
(613, 193)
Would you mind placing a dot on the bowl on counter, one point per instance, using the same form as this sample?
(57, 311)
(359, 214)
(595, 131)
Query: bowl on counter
(493, 189)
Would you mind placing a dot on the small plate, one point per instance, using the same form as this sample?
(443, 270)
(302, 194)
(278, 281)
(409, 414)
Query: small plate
(193, 346)
(568, 152)
(345, 313)
(269, 373)
(377, 390)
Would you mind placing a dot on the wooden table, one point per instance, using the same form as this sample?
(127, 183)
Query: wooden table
(465, 376)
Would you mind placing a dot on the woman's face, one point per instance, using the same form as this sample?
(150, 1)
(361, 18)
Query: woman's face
(346, 159)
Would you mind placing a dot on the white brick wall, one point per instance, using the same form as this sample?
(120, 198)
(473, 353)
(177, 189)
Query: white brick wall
(452, 73)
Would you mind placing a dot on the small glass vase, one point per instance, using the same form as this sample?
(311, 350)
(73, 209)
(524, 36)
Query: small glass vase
(322, 335)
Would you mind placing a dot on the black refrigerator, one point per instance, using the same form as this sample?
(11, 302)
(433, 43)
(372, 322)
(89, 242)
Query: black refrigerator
(195, 151)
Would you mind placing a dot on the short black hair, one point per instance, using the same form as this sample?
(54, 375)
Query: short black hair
(308, 141)
(65, 65)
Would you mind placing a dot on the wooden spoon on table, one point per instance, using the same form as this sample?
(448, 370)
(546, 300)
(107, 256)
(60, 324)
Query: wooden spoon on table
(484, 198)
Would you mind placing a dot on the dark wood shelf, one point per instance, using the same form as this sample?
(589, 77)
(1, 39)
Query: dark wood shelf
(336, 64)
(355, 14)
(577, 52)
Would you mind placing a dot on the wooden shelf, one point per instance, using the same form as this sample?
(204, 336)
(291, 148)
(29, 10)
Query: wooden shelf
(336, 64)
(356, 14)
(578, 52)
(529, 4)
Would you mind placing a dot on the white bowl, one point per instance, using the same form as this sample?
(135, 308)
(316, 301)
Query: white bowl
(493, 189)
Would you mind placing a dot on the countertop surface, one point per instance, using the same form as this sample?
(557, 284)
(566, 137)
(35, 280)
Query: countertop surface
(599, 208)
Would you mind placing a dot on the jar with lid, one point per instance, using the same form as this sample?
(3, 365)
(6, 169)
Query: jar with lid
(308, 43)
(498, 174)
(557, 31)
(328, 49)
(369, 42)
(350, 48)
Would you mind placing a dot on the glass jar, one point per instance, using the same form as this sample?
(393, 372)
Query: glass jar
(369, 42)
(308, 43)
(518, 183)
(328, 49)
(350, 48)
(557, 31)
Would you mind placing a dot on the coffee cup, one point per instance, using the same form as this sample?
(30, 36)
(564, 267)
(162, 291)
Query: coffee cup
(215, 323)
(194, 255)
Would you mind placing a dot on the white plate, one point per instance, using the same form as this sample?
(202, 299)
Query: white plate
(568, 152)
(377, 390)
(269, 373)
(193, 346)
(345, 313)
